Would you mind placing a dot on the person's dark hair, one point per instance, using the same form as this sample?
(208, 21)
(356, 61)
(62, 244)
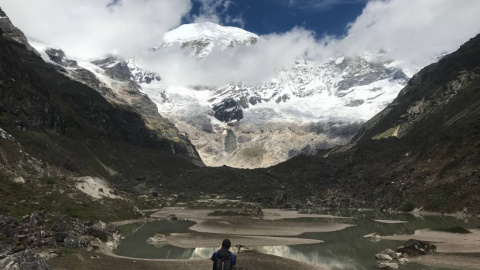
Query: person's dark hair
(226, 244)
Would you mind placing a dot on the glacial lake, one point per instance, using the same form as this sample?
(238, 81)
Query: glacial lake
(344, 249)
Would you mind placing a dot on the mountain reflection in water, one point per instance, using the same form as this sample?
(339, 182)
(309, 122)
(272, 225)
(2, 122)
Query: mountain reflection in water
(345, 249)
(311, 257)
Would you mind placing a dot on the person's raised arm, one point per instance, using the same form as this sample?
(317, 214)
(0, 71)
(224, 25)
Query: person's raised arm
(234, 259)
(214, 256)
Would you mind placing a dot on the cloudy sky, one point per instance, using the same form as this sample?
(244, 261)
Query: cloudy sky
(413, 31)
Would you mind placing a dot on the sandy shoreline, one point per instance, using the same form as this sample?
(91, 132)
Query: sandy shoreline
(389, 221)
(445, 242)
(446, 260)
(454, 250)
(275, 223)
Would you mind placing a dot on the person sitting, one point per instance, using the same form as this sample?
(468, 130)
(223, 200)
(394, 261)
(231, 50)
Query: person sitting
(223, 259)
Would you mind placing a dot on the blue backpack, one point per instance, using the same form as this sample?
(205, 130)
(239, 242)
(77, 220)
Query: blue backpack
(224, 260)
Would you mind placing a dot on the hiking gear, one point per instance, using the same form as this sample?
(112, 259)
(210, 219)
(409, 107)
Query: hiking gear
(223, 260)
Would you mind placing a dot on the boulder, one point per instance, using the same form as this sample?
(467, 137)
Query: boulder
(374, 237)
(25, 260)
(59, 225)
(98, 233)
(388, 266)
(390, 253)
(60, 236)
(5, 250)
(94, 244)
(36, 219)
(71, 241)
(8, 226)
(172, 218)
(158, 240)
(417, 247)
(383, 257)
(402, 260)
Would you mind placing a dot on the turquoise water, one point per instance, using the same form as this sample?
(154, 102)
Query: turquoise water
(345, 249)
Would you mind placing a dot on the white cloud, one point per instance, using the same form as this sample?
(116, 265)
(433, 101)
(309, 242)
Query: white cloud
(91, 28)
(251, 64)
(318, 4)
(414, 30)
(236, 20)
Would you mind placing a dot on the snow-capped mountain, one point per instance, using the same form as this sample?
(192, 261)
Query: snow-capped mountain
(200, 39)
(304, 107)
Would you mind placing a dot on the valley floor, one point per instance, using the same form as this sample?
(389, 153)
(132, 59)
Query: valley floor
(455, 251)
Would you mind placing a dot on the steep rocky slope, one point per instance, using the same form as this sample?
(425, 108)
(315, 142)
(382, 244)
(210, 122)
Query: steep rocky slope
(64, 147)
(119, 82)
(10, 31)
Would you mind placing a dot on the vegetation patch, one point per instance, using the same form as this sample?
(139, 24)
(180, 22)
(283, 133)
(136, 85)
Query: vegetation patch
(54, 194)
(389, 133)
(408, 207)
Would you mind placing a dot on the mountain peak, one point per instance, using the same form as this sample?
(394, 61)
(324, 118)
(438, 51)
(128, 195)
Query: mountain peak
(206, 30)
(202, 38)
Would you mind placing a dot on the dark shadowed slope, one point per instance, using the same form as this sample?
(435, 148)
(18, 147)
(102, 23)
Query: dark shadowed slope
(54, 129)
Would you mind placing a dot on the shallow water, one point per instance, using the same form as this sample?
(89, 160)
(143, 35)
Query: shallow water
(135, 245)
(345, 249)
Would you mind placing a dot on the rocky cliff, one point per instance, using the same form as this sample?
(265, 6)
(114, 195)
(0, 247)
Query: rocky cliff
(64, 145)
(119, 82)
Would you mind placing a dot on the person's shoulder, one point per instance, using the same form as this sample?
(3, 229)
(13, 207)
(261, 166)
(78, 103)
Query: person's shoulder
(233, 254)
